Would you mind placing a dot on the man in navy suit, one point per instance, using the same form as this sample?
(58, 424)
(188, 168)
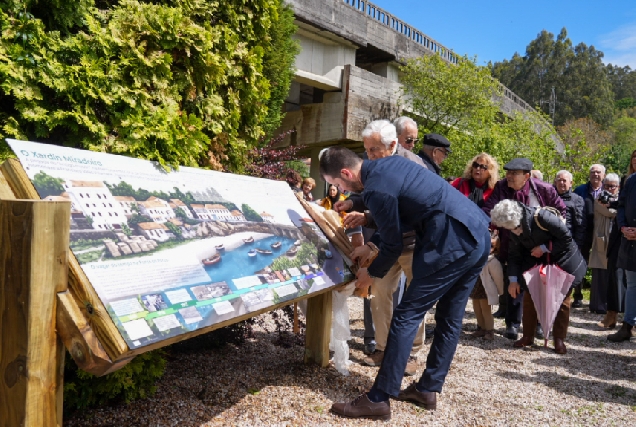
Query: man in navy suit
(452, 246)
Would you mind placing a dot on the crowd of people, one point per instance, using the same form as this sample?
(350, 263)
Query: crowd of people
(474, 239)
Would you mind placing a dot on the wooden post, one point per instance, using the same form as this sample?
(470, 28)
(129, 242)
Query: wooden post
(318, 330)
(34, 241)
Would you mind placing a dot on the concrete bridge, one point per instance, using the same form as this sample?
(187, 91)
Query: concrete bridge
(347, 72)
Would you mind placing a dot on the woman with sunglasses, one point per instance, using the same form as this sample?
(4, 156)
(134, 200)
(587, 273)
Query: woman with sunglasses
(479, 178)
(476, 183)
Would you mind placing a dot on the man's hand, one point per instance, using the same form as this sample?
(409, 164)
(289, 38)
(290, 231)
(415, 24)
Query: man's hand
(629, 233)
(537, 252)
(360, 254)
(354, 219)
(343, 205)
(514, 289)
(364, 280)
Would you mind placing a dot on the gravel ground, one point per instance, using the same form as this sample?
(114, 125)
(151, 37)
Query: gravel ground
(261, 383)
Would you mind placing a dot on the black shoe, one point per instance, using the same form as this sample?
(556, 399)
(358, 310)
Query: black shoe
(511, 333)
(539, 332)
(577, 303)
(499, 314)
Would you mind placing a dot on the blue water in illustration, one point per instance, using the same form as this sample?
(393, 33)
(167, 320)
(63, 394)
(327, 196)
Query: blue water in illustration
(237, 263)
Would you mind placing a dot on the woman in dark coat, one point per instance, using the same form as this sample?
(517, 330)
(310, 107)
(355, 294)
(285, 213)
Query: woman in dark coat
(534, 233)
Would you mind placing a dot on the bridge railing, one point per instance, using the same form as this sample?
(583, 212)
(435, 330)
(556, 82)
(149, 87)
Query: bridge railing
(384, 17)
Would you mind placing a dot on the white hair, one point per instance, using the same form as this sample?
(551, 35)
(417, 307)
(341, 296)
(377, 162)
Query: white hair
(611, 177)
(567, 174)
(535, 173)
(600, 166)
(507, 214)
(401, 122)
(384, 128)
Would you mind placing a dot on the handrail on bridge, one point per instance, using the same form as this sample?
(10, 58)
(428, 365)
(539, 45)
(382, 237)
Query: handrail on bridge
(384, 17)
(401, 27)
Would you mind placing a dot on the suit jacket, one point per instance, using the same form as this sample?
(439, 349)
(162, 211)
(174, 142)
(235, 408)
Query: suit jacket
(583, 191)
(402, 195)
(575, 216)
(627, 218)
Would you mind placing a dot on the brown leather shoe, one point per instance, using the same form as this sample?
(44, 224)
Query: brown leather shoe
(411, 367)
(362, 407)
(623, 334)
(374, 359)
(524, 342)
(559, 346)
(479, 333)
(490, 335)
(423, 399)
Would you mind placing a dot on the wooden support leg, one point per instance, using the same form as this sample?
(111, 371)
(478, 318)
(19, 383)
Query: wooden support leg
(318, 330)
(296, 322)
(34, 240)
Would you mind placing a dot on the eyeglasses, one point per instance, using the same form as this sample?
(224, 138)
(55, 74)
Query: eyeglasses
(480, 166)
(411, 140)
(511, 172)
(445, 151)
(610, 186)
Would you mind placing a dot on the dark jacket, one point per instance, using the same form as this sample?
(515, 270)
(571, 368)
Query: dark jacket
(626, 217)
(429, 163)
(358, 203)
(564, 251)
(402, 195)
(575, 217)
(583, 191)
(545, 193)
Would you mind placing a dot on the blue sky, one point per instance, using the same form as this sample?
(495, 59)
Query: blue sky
(495, 29)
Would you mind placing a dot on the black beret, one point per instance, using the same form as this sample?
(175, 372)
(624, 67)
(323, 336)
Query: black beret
(436, 140)
(518, 164)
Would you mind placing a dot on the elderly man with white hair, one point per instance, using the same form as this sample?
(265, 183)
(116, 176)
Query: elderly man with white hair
(575, 206)
(380, 141)
(589, 192)
(406, 132)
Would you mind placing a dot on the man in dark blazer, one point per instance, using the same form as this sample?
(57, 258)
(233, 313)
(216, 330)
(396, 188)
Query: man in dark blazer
(451, 248)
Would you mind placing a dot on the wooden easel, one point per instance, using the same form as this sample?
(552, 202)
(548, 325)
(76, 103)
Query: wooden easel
(47, 305)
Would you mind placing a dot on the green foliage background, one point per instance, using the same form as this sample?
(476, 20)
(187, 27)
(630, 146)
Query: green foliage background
(458, 101)
(182, 82)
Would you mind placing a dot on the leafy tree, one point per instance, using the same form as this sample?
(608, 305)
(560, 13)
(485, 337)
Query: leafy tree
(619, 154)
(136, 219)
(447, 96)
(177, 81)
(577, 74)
(585, 143)
(623, 81)
(47, 185)
(250, 214)
(271, 162)
(460, 103)
(126, 229)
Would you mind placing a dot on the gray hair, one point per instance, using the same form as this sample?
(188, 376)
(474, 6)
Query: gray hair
(384, 128)
(611, 177)
(567, 174)
(401, 122)
(535, 173)
(507, 214)
(600, 166)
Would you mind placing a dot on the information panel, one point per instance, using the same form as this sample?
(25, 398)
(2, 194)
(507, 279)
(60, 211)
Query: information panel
(169, 253)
